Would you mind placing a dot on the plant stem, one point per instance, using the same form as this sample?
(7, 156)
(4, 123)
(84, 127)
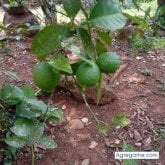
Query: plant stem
(87, 104)
(49, 102)
(33, 155)
(99, 89)
(90, 109)
(89, 28)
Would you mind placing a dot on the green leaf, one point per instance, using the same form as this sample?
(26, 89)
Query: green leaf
(11, 94)
(78, 52)
(23, 127)
(107, 14)
(99, 89)
(104, 36)
(47, 142)
(12, 75)
(16, 142)
(48, 40)
(87, 43)
(134, 19)
(28, 92)
(34, 27)
(23, 110)
(71, 7)
(36, 105)
(120, 120)
(100, 47)
(61, 63)
(129, 148)
(54, 116)
(36, 133)
(104, 130)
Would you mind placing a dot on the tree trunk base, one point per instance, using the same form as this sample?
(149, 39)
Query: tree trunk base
(107, 97)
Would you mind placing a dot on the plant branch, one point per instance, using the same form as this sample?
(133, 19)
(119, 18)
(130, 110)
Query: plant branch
(48, 105)
(87, 104)
(33, 155)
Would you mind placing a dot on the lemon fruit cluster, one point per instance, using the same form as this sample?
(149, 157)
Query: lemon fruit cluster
(45, 77)
(87, 73)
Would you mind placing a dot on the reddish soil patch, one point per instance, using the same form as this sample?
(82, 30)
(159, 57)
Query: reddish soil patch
(137, 95)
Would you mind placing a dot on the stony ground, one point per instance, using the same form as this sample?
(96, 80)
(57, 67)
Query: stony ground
(139, 94)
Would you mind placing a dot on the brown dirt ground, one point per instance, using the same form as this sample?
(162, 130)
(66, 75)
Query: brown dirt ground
(137, 96)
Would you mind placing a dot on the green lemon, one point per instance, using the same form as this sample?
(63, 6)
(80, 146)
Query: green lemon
(87, 74)
(108, 62)
(44, 76)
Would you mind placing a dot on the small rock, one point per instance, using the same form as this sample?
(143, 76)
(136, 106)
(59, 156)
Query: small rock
(139, 58)
(117, 141)
(118, 127)
(85, 162)
(107, 142)
(147, 141)
(138, 144)
(137, 136)
(76, 162)
(163, 64)
(73, 114)
(84, 120)
(130, 135)
(76, 124)
(63, 107)
(83, 136)
(93, 144)
(73, 141)
(68, 118)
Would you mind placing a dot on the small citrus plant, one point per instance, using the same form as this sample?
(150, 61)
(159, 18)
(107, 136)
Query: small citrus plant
(101, 16)
(87, 38)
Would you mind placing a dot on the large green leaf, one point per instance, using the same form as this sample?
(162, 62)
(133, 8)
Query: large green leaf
(107, 14)
(104, 36)
(23, 110)
(36, 133)
(16, 142)
(87, 43)
(23, 127)
(11, 94)
(71, 7)
(47, 40)
(47, 142)
(36, 105)
(61, 63)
